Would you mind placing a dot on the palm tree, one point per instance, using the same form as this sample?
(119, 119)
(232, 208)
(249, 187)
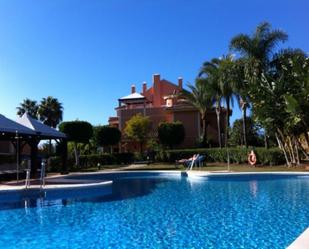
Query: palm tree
(50, 111)
(210, 70)
(258, 48)
(227, 85)
(244, 105)
(217, 98)
(200, 97)
(221, 75)
(241, 87)
(29, 106)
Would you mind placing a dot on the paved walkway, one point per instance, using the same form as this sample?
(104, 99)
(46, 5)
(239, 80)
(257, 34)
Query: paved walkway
(51, 180)
(132, 166)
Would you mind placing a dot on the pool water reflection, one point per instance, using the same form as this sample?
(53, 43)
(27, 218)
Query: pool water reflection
(160, 212)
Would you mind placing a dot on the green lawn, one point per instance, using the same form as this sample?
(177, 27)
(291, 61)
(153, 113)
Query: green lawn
(236, 168)
(95, 168)
(209, 167)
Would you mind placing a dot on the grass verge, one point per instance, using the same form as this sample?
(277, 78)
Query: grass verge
(208, 167)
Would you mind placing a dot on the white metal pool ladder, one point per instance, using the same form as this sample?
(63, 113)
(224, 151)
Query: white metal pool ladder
(192, 163)
(197, 162)
(42, 176)
(27, 181)
(28, 173)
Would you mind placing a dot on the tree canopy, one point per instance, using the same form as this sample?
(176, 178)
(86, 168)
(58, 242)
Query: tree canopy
(138, 128)
(272, 82)
(201, 98)
(29, 106)
(277, 86)
(171, 134)
(106, 135)
(50, 111)
(253, 133)
(77, 131)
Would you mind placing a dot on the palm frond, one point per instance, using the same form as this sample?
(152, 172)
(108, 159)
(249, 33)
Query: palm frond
(241, 43)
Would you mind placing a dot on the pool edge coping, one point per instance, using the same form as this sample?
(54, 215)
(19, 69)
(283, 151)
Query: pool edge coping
(301, 242)
(54, 186)
(212, 173)
(192, 173)
(5, 188)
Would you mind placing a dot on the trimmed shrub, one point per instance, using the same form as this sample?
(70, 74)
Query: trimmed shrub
(55, 164)
(87, 161)
(171, 134)
(106, 135)
(77, 131)
(273, 156)
(124, 158)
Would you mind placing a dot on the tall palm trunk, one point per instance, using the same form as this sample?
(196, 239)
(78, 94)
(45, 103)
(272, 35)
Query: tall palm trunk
(204, 123)
(266, 144)
(284, 146)
(295, 145)
(244, 123)
(218, 113)
(306, 138)
(281, 146)
(227, 126)
(76, 154)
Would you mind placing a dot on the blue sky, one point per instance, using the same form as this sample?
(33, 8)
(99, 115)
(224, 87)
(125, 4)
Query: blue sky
(88, 53)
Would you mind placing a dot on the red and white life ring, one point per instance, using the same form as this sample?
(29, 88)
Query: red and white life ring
(252, 158)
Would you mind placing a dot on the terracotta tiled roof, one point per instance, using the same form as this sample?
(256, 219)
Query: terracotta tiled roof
(164, 81)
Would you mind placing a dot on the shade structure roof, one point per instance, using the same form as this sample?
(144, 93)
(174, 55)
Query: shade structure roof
(39, 128)
(8, 126)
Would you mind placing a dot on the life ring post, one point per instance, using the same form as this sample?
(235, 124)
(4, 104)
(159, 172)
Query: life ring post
(252, 158)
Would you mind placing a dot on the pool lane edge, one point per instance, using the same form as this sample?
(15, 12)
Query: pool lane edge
(54, 186)
(223, 173)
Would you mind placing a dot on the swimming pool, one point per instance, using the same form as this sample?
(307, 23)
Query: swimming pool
(149, 210)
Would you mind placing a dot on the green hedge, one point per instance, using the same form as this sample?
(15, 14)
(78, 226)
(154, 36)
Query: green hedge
(55, 164)
(273, 156)
(87, 161)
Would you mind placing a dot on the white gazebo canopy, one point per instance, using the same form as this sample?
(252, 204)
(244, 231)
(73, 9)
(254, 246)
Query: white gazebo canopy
(11, 127)
(39, 128)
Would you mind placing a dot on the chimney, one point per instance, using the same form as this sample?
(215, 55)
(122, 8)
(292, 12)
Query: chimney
(157, 98)
(156, 79)
(144, 87)
(133, 90)
(180, 83)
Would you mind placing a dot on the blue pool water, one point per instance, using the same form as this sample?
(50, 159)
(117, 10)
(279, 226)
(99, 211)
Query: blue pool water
(256, 211)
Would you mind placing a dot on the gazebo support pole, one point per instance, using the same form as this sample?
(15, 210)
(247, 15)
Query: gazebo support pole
(17, 148)
(33, 157)
(64, 156)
